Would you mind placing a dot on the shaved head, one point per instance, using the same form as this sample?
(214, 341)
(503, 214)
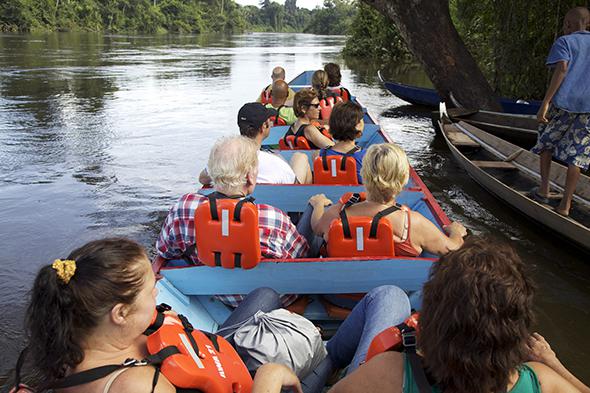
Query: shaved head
(576, 19)
(280, 90)
(278, 73)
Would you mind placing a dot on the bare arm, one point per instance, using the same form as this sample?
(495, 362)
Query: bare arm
(204, 178)
(540, 351)
(556, 80)
(322, 224)
(317, 138)
(272, 378)
(318, 202)
(551, 381)
(427, 236)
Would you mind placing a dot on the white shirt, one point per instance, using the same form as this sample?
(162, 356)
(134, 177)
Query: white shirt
(272, 168)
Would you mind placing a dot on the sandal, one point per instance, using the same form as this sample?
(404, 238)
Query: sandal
(534, 194)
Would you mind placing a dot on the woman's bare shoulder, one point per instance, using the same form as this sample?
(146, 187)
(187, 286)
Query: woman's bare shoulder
(551, 381)
(383, 373)
(140, 380)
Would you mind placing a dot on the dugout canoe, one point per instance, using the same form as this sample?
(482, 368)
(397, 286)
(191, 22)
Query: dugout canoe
(510, 172)
(430, 98)
(522, 130)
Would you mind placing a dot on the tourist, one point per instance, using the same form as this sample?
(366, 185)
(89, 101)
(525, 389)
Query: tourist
(385, 172)
(319, 82)
(278, 73)
(334, 80)
(346, 126)
(307, 109)
(280, 92)
(254, 123)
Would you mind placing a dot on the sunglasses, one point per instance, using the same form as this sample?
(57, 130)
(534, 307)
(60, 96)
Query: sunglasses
(316, 106)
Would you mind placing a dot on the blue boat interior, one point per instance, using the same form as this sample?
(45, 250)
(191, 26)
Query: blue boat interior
(189, 289)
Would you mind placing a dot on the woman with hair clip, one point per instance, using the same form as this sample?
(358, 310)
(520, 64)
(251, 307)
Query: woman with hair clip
(319, 82)
(385, 171)
(92, 309)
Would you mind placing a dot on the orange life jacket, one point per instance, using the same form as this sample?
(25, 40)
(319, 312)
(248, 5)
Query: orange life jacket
(334, 169)
(204, 361)
(298, 141)
(266, 96)
(395, 338)
(226, 232)
(361, 236)
(342, 92)
(326, 106)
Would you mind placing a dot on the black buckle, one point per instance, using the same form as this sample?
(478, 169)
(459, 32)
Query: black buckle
(163, 307)
(409, 339)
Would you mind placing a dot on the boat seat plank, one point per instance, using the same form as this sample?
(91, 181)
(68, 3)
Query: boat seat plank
(278, 132)
(458, 138)
(494, 164)
(302, 277)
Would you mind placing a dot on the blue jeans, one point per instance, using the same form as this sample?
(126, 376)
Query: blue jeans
(381, 308)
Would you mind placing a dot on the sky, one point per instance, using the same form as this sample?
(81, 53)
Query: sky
(310, 4)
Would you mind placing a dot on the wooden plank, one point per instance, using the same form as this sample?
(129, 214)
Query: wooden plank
(458, 138)
(350, 276)
(494, 164)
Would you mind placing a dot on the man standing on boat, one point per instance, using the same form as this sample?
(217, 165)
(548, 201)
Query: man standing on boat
(278, 74)
(564, 132)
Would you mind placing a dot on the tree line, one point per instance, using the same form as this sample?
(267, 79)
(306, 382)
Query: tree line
(173, 16)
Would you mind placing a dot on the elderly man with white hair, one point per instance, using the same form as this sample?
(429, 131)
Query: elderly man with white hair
(233, 167)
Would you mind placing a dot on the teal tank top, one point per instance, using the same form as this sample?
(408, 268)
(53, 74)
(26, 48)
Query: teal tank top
(527, 380)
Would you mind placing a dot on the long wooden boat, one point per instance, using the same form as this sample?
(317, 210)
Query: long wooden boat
(522, 130)
(510, 172)
(430, 98)
(190, 289)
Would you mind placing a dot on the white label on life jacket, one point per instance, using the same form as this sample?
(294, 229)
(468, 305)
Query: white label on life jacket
(333, 165)
(216, 360)
(190, 349)
(290, 143)
(224, 222)
(360, 241)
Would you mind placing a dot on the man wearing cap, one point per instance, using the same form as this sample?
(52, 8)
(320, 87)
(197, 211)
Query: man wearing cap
(254, 123)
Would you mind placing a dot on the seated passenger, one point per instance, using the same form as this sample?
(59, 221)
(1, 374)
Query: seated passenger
(385, 171)
(254, 123)
(278, 73)
(474, 333)
(346, 125)
(280, 92)
(319, 82)
(307, 109)
(232, 165)
(334, 77)
(92, 309)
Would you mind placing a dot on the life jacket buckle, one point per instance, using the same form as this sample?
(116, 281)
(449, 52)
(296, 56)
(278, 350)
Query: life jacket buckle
(409, 339)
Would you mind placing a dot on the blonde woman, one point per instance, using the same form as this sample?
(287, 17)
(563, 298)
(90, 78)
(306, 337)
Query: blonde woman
(385, 172)
(307, 110)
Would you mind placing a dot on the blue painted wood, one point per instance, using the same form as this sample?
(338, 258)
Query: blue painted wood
(293, 198)
(350, 276)
(429, 97)
(190, 306)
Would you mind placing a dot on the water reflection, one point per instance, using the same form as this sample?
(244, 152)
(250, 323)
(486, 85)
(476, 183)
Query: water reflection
(100, 134)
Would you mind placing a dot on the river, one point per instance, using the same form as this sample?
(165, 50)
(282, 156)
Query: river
(100, 134)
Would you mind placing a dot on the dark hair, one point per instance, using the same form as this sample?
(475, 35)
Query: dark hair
(60, 316)
(333, 71)
(249, 131)
(303, 98)
(476, 316)
(343, 120)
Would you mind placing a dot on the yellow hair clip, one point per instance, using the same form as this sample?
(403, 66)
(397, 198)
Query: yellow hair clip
(65, 269)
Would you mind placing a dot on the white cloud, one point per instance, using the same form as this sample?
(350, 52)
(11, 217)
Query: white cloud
(309, 4)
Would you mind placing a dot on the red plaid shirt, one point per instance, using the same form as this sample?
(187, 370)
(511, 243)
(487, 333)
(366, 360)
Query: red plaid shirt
(278, 236)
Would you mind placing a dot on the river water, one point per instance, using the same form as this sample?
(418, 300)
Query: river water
(100, 134)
